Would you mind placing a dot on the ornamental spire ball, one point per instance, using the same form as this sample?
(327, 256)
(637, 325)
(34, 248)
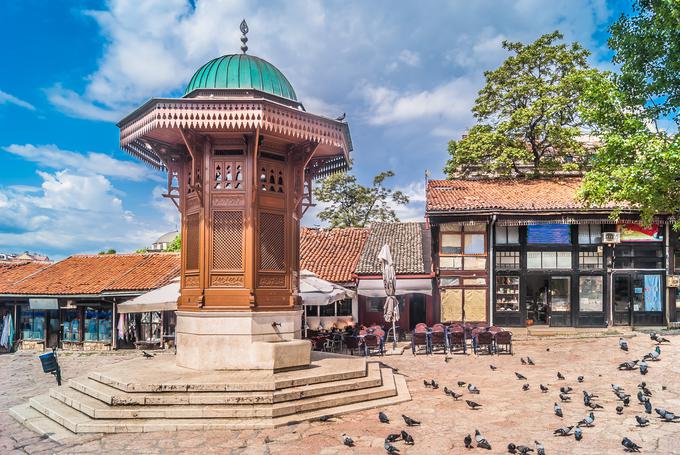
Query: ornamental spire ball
(244, 38)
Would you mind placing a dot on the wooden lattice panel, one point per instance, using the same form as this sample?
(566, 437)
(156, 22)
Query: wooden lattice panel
(192, 241)
(272, 242)
(227, 251)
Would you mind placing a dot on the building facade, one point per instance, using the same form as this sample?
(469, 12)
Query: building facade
(526, 252)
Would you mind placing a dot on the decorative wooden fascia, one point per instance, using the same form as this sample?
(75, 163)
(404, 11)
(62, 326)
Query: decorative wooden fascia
(192, 144)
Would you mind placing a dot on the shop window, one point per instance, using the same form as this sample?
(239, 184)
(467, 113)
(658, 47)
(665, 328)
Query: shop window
(474, 244)
(554, 234)
(638, 256)
(676, 261)
(548, 260)
(590, 260)
(32, 324)
(590, 290)
(463, 241)
(507, 260)
(474, 304)
(375, 304)
(451, 244)
(327, 310)
(560, 294)
(507, 293)
(344, 307)
(71, 330)
(97, 325)
(150, 326)
(589, 234)
(451, 305)
(463, 304)
(311, 310)
(449, 281)
(507, 235)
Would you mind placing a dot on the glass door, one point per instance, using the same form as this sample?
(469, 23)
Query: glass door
(622, 299)
(560, 301)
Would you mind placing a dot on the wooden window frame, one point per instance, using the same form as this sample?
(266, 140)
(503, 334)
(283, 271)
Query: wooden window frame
(462, 233)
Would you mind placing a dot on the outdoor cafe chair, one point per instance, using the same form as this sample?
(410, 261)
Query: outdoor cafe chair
(457, 340)
(495, 329)
(420, 338)
(438, 338)
(351, 343)
(319, 343)
(334, 343)
(503, 342)
(372, 344)
(484, 339)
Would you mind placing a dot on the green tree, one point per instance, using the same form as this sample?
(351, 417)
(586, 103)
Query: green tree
(351, 204)
(176, 244)
(527, 113)
(109, 251)
(637, 165)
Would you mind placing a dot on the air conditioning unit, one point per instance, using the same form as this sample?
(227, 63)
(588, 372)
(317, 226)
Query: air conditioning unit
(611, 237)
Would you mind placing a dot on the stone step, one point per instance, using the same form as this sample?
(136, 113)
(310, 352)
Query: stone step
(41, 424)
(116, 397)
(97, 409)
(139, 375)
(79, 422)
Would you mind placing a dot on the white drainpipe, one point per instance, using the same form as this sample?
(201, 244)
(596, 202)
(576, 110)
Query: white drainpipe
(492, 268)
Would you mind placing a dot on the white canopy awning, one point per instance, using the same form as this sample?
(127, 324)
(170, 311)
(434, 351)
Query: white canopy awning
(376, 288)
(315, 291)
(161, 299)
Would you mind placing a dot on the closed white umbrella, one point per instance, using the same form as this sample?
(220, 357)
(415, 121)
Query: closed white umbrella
(391, 313)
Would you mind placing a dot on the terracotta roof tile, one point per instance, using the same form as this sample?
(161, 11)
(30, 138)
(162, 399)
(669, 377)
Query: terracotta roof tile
(504, 194)
(406, 245)
(95, 274)
(13, 272)
(332, 254)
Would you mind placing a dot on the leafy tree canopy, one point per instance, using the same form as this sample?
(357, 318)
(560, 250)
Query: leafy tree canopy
(527, 113)
(109, 251)
(353, 205)
(176, 245)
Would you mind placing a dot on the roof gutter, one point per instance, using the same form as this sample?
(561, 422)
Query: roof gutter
(78, 296)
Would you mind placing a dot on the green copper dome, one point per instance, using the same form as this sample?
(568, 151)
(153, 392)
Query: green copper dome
(241, 71)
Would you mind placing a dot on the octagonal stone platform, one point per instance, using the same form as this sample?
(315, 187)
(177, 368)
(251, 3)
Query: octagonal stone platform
(143, 395)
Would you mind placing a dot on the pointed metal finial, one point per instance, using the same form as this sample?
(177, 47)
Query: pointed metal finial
(244, 38)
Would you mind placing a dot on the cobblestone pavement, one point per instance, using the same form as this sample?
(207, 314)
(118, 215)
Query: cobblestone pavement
(508, 414)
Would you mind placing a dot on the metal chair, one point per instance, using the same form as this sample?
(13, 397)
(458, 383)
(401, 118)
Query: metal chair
(503, 342)
(439, 338)
(420, 338)
(372, 344)
(457, 340)
(351, 343)
(484, 339)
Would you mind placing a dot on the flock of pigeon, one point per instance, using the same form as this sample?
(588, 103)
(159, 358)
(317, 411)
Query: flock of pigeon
(565, 396)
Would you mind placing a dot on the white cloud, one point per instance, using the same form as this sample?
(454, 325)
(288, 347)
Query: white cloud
(73, 105)
(168, 211)
(53, 157)
(6, 98)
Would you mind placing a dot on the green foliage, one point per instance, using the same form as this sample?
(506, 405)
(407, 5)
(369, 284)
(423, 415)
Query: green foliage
(647, 46)
(141, 250)
(527, 113)
(176, 245)
(109, 251)
(353, 205)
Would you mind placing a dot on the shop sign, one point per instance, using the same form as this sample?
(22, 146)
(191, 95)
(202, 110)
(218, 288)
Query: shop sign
(637, 233)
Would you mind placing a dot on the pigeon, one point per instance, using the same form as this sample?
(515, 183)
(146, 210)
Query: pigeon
(524, 450)
(525, 387)
(642, 398)
(566, 390)
(594, 406)
(447, 391)
(409, 421)
(472, 388)
(643, 368)
(580, 379)
(341, 117)
(630, 445)
(558, 410)
(667, 416)
(493, 367)
(512, 448)
(461, 383)
(587, 421)
(655, 337)
(521, 359)
(617, 388)
(623, 344)
(520, 376)
(560, 376)
(455, 395)
(629, 365)
(473, 405)
(626, 400)
(540, 450)
(642, 421)
(578, 434)
(434, 384)
(619, 410)
(564, 431)
(389, 448)
(481, 442)
(648, 407)
(468, 442)
(643, 387)
(426, 384)
(447, 359)
(408, 439)
(349, 442)
(325, 418)
(148, 355)
(565, 397)
(588, 396)
(529, 361)
(654, 355)
(392, 437)
(544, 388)
(383, 417)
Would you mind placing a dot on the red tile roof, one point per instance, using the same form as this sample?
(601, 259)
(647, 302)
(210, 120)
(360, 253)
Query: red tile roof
(332, 254)
(96, 274)
(504, 194)
(12, 272)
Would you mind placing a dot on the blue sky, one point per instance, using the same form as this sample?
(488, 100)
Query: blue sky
(405, 73)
